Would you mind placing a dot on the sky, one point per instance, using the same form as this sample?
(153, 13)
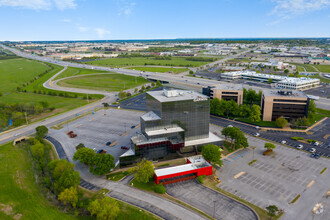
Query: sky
(37, 20)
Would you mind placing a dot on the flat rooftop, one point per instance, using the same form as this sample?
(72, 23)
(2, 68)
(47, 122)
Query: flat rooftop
(196, 163)
(234, 87)
(177, 95)
(150, 116)
(164, 131)
(211, 139)
(285, 94)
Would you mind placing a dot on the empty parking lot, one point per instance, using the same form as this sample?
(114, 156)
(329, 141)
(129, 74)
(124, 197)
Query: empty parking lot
(95, 130)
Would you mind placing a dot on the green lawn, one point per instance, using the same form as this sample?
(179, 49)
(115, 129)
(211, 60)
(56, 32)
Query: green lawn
(19, 190)
(117, 176)
(260, 123)
(141, 61)
(309, 68)
(239, 60)
(326, 80)
(149, 186)
(109, 82)
(72, 71)
(58, 102)
(159, 69)
(323, 68)
(15, 72)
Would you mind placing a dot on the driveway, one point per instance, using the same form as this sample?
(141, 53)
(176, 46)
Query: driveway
(209, 201)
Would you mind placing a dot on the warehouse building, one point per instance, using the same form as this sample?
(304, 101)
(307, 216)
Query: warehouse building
(226, 92)
(290, 104)
(283, 82)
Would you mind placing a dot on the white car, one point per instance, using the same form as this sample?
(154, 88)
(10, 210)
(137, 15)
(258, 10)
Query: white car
(312, 150)
(257, 127)
(300, 146)
(229, 126)
(316, 143)
(256, 134)
(283, 142)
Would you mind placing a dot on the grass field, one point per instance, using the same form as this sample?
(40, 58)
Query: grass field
(19, 193)
(141, 61)
(309, 68)
(159, 69)
(15, 72)
(323, 68)
(109, 82)
(72, 71)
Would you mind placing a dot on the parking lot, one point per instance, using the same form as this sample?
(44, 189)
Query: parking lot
(318, 133)
(95, 130)
(209, 201)
(277, 179)
(323, 91)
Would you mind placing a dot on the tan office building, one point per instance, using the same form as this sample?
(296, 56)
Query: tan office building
(290, 104)
(228, 92)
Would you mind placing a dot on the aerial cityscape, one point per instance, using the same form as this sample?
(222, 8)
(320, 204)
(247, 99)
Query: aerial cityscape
(127, 109)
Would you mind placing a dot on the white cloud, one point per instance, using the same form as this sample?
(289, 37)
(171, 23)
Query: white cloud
(125, 7)
(289, 8)
(101, 32)
(65, 4)
(83, 29)
(39, 4)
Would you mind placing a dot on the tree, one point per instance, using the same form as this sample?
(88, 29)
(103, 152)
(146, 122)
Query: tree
(191, 72)
(311, 109)
(121, 94)
(212, 153)
(135, 90)
(158, 83)
(0, 93)
(143, 88)
(102, 164)
(106, 208)
(215, 107)
(153, 84)
(38, 150)
(244, 111)
(63, 175)
(69, 196)
(255, 113)
(144, 170)
(81, 145)
(269, 146)
(41, 131)
(286, 71)
(237, 137)
(84, 155)
(272, 210)
(270, 81)
(281, 122)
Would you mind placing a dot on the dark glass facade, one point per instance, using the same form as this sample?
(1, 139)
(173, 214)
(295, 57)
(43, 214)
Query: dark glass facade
(192, 116)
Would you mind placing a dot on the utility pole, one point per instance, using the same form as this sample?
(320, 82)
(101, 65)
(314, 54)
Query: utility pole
(26, 119)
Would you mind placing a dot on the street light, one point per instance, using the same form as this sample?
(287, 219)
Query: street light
(214, 208)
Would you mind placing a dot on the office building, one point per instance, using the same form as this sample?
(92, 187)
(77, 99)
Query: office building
(225, 91)
(290, 104)
(174, 119)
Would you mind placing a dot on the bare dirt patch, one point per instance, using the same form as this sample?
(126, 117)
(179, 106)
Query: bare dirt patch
(7, 209)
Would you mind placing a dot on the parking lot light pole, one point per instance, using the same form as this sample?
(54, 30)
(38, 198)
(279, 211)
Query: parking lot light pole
(214, 208)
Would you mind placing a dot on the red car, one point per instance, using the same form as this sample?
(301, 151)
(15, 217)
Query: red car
(124, 147)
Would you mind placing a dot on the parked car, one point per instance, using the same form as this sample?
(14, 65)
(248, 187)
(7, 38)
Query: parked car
(257, 127)
(70, 132)
(256, 134)
(300, 146)
(317, 156)
(312, 155)
(124, 147)
(312, 150)
(229, 126)
(133, 126)
(108, 143)
(316, 143)
(101, 151)
(283, 142)
(72, 135)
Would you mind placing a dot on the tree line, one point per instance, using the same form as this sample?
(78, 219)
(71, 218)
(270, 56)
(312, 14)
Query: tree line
(60, 178)
(231, 109)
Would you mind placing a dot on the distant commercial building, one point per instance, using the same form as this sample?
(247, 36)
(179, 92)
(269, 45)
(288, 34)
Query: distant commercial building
(226, 92)
(175, 119)
(283, 82)
(196, 166)
(290, 104)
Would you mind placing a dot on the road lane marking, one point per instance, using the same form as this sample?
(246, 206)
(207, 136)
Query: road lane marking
(78, 125)
(310, 184)
(239, 174)
(124, 134)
